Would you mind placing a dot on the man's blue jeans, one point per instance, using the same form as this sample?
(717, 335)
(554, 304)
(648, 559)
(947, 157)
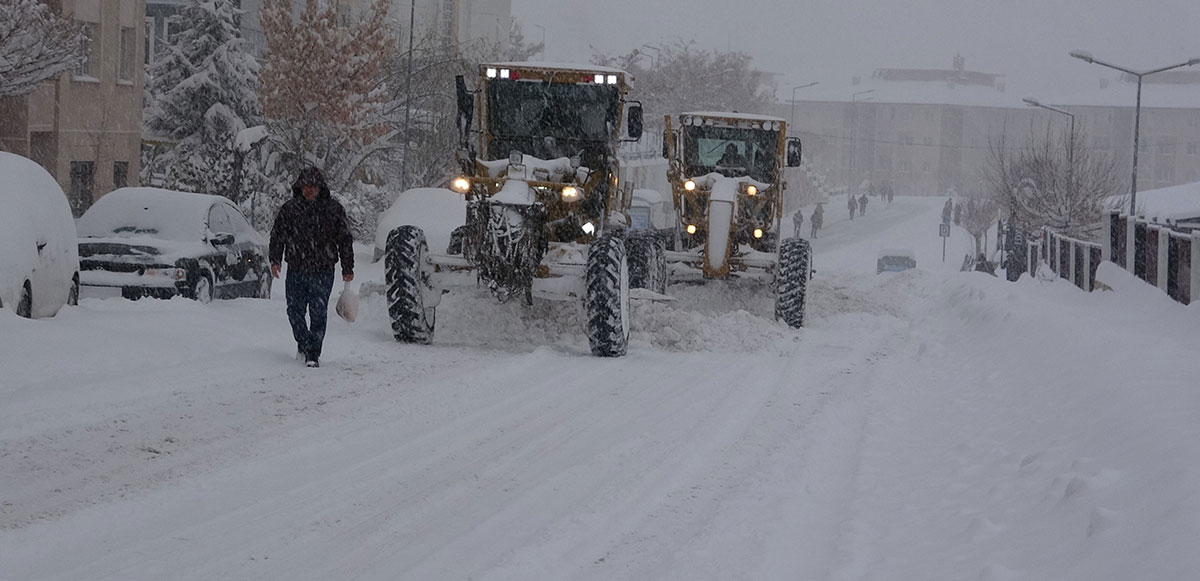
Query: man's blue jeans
(308, 293)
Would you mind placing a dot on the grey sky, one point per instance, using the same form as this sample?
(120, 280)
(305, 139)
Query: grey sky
(830, 40)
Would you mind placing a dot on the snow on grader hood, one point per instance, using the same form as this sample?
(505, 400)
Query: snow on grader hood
(541, 181)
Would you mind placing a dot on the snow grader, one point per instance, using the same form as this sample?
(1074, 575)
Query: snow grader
(726, 172)
(545, 202)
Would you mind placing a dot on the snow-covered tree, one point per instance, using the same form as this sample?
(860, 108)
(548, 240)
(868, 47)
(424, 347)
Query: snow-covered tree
(681, 77)
(202, 97)
(1052, 181)
(36, 45)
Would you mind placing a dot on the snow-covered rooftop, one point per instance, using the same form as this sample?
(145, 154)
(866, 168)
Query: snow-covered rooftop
(557, 66)
(1171, 204)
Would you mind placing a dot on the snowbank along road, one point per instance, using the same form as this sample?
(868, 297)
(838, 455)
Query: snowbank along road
(928, 424)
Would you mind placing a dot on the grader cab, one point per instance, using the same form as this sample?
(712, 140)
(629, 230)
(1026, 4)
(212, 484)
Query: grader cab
(544, 199)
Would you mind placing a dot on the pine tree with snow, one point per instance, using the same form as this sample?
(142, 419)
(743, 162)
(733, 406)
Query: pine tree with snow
(203, 94)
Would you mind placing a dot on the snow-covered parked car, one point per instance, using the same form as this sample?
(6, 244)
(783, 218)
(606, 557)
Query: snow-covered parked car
(437, 211)
(139, 242)
(895, 260)
(39, 267)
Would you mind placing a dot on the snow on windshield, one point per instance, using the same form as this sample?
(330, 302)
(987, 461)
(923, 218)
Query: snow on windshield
(148, 212)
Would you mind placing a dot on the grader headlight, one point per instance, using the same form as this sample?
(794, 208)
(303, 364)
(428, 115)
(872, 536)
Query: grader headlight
(751, 190)
(461, 185)
(689, 185)
(758, 232)
(570, 194)
(691, 228)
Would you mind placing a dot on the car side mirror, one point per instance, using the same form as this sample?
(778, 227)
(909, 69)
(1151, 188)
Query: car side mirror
(635, 121)
(793, 152)
(222, 239)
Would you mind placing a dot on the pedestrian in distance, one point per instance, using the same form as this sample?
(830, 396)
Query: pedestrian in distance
(853, 205)
(797, 222)
(818, 216)
(862, 205)
(311, 234)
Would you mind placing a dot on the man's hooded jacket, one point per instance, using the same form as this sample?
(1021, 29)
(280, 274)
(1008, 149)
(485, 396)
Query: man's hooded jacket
(312, 235)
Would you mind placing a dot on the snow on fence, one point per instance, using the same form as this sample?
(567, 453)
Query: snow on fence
(1163, 257)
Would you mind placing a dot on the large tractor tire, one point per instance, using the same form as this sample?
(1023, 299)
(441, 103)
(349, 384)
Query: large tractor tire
(607, 297)
(791, 281)
(409, 292)
(647, 256)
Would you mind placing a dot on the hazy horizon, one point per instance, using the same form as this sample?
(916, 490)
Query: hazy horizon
(831, 41)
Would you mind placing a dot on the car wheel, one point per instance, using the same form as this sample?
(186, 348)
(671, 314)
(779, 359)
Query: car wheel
(264, 285)
(203, 292)
(73, 294)
(25, 303)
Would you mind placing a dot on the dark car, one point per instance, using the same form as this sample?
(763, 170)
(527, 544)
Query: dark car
(148, 242)
(895, 260)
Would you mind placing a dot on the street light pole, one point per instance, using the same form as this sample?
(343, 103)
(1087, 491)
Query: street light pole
(792, 115)
(1071, 149)
(854, 138)
(1087, 57)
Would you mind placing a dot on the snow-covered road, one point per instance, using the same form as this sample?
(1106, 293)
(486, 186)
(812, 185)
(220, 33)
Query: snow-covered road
(926, 425)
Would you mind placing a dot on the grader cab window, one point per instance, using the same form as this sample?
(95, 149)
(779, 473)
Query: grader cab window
(549, 120)
(731, 151)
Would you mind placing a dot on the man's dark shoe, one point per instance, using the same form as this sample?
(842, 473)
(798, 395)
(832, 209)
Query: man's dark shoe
(311, 361)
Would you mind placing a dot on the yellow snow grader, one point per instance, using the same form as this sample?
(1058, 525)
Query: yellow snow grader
(545, 204)
(726, 172)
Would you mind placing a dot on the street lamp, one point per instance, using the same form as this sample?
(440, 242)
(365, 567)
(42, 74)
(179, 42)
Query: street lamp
(1070, 150)
(854, 137)
(1086, 56)
(792, 115)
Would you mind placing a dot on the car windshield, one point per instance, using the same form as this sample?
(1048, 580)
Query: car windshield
(732, 151)
(550, 120)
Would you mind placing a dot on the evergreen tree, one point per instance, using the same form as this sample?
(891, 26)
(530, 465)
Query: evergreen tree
(202, 96)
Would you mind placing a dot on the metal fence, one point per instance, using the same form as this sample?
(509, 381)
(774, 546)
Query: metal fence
(1163, 257)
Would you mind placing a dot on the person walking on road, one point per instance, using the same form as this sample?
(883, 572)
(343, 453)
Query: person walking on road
(797, 222)
(311, 234)
(818, 216)
(853, 205)
(862, 205)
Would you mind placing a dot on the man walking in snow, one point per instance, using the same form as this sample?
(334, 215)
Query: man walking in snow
(862, 205)
(797, 222)
(311, 233)
(818, 216)
(852, 204)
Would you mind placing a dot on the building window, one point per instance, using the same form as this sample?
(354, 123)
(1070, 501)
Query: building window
(128, 54)
(83, 178)
(120, 174)
(87, 67)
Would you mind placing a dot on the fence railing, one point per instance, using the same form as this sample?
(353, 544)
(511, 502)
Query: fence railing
(1161, 256)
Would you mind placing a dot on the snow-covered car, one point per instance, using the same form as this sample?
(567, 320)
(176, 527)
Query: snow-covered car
(39, 267)
(139, 242)
(437, 211)
(895, 260)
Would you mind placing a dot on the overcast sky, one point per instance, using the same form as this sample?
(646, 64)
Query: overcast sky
(831, 40)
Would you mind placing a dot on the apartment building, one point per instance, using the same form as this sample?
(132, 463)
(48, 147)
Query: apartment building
(85, 127)
(929, 131)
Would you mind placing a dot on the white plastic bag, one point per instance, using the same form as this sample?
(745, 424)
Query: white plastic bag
(347, 304)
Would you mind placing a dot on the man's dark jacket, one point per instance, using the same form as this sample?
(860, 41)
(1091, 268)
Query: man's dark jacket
(312, 234)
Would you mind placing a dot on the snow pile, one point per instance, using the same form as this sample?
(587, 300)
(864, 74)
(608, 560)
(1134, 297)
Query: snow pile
(437, 211)
(37, 236)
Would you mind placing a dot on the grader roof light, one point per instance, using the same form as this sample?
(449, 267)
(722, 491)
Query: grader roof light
(505, 73)
(491, 72)
(599, 78)
(611, 79)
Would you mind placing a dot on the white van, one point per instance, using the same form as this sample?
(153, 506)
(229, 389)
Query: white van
(39, 259)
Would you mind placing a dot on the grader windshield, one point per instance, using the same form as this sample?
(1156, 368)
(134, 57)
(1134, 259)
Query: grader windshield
(551, 119)
(731, 151)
